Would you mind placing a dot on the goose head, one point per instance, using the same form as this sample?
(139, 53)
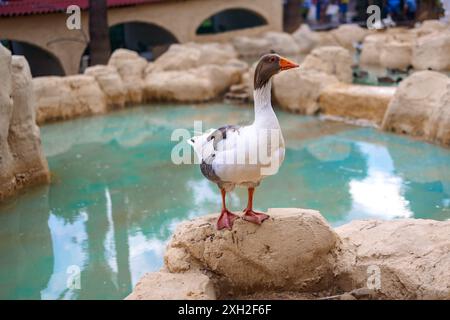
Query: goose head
(268, 66)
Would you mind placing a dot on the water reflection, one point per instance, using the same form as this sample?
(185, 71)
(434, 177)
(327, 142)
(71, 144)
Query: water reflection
(116, 197)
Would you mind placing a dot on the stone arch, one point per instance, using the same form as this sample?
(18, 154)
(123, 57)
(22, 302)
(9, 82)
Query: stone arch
(42, 62)
(230, 20)
(147, 38)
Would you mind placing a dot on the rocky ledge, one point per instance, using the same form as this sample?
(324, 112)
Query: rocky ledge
(297, 255)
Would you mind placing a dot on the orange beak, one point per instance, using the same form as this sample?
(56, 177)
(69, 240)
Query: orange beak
(285, 64)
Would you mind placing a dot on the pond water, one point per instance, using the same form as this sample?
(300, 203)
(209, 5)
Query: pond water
(116, 197)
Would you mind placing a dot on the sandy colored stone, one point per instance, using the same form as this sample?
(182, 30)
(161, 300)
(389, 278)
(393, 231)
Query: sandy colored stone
(299, 90)
(412, 255)
(30, 164)
(111, 84)
(198, 84)
(331, 60)
(22, 162)
(327, 39)
(59, 98)
(131, 68)
(356, 101)
(396, 54)
(193, 55)
(347, 35)
(280, 42)
(6, 107)
(371, 48)
(173, 286)
(421, 107)
(432, 52)
(306, 39)
(293, 250)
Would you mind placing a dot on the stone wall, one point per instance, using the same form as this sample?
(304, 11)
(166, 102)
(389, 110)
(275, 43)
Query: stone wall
(22, 162)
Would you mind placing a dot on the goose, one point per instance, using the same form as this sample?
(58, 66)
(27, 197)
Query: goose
(234, 155)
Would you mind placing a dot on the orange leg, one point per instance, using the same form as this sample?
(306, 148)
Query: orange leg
(226, 218)
(249, 214)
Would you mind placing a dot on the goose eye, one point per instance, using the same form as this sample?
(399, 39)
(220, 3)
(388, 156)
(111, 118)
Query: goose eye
(272, 59)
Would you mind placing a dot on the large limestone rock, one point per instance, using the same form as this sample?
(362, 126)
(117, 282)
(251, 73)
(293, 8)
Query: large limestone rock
(412, 257)
(299, 90)
(421, 107)
(6, 107)
(193, 72)
(371, 49)
(198, 84)
(131, 68)
(331, 60)
(432, 52)
(78, 95)
(22, 162)
(193, 55)
(306, 39)
(396, 54)
(111, 84)
(280, 42)
(295, 254)
(173, 286)
(347, 35)
(255, 257)
(356, 102)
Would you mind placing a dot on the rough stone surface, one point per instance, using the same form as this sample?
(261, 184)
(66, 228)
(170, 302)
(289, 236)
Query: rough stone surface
(396, 54)
(421, 107)
(412, 255)
(193, 72)
(111, 84)
(347, 35)
(75, 96)
(432, 52)
(296, 255)
(281, 42)
(252, 257)
(331, 60)
(192, 55)
(356, 101)
(299, 90)
(371, 48)
(306, 39)
(22, 162)
(173, 286)
(131, 68)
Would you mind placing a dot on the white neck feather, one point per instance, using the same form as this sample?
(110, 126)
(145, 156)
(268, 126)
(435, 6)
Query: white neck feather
(264, 115)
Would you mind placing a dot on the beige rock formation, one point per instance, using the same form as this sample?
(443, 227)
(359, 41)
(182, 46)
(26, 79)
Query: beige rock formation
(282, 43)
(411, 256)
(192, 55)
(296, 254)
(22, 162)
(131, 68)
(78, 95)
(299, 90)
(421, 107)
(111, 84)
(347, 35)
(173, 286)
(331, 60)
(371, 48)
(255, 257)
(432, 51)
(193, 72)
(306, 39)
(395, 54)
(356, 102)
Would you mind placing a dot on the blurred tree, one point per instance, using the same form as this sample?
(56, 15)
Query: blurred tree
(429, 9)
(99, 44)
(292, 15)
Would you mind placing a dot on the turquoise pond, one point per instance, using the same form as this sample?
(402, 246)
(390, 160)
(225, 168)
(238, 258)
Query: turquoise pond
(116, 197)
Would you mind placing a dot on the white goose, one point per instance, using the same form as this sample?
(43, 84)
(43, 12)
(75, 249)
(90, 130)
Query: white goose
(242, 156)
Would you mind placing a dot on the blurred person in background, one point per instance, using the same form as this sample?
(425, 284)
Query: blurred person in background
(410, 9)
(343, 9)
